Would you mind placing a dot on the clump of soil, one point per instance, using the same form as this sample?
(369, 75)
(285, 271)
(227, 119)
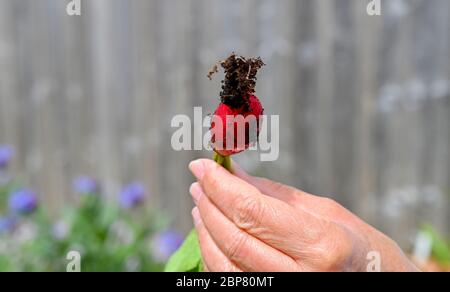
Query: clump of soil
(240, 80)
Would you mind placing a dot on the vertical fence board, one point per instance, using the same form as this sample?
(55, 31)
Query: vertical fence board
(363, 100)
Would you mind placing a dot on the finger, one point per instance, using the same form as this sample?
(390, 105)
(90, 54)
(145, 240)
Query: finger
(213, 258)
(282, 192)
(268, 219)
(245, 251)
(319, 206)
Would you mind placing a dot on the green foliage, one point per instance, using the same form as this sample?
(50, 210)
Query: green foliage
(188, 257)
(440, 249)
(107, 237)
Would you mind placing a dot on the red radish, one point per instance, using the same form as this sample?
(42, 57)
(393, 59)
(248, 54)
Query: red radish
(239, 107)
(237, 100)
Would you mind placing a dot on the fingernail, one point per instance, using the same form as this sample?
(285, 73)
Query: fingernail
(196, 192)
(197, 168)
(196, 216)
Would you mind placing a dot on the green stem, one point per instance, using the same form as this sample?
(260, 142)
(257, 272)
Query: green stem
(225, 161)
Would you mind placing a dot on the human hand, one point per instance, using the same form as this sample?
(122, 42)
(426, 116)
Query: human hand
(246, 223)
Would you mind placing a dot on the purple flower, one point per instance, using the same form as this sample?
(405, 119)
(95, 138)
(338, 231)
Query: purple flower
(23, 201)
(86, 185)
(7, 224)
(6, 154)
(165, 244)
(132, 195)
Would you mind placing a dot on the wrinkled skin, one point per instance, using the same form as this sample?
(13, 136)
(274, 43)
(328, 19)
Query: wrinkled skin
(247, 223)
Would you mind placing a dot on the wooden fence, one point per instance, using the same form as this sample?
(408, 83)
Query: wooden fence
(363, 100)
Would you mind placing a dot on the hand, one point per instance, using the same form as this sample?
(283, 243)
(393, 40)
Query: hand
(247, 223)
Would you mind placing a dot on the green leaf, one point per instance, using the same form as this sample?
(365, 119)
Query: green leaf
(188, 257)
(440, 248)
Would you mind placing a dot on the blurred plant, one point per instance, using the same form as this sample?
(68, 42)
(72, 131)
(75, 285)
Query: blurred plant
(7, 224)
(86, 185)
(440, 247)
(132, 195)
(109, 236)
(6, 154)
(23, 201)
(165, 244)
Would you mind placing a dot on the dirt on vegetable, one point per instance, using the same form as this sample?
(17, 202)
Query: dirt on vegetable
(240, 80)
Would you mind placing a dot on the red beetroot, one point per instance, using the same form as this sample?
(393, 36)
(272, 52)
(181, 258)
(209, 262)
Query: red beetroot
(240, 110)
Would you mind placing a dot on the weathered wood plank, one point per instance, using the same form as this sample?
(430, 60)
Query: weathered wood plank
(363, 100)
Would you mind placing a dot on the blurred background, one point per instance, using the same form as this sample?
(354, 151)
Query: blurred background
(363, 101)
